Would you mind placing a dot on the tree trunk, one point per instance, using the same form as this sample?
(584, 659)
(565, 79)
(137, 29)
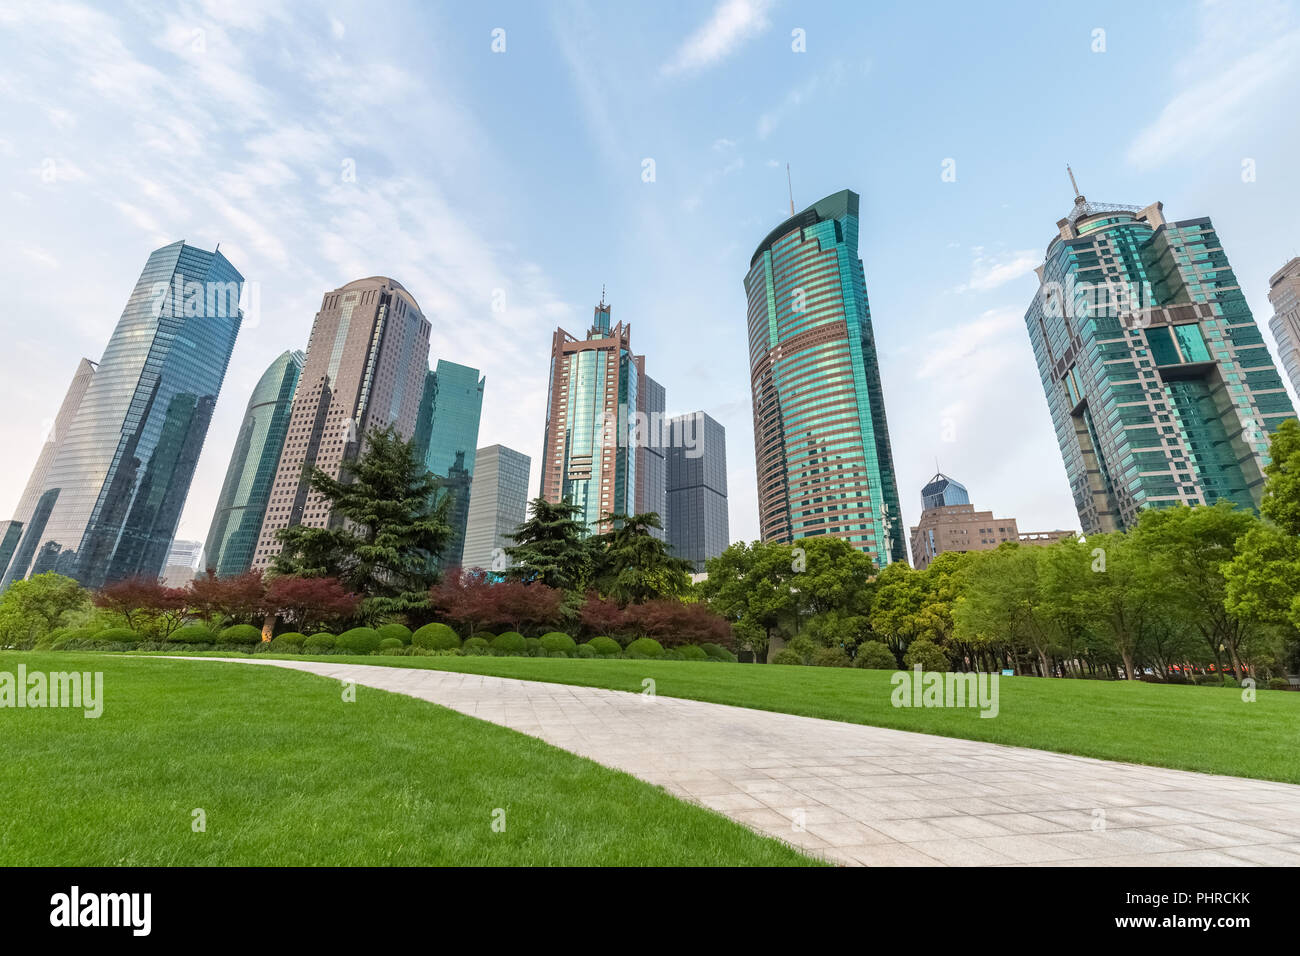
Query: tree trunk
(268, 627)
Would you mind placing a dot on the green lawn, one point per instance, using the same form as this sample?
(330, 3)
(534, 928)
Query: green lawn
(290, 774)
(1191, 728)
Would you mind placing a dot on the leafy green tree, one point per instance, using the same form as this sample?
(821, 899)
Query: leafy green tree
(550, 547)
(753, 586)
(1005, 604)
(632, 566)
(33, 607)
(385, 534)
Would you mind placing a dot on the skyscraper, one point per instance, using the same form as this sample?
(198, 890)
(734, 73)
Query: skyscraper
(497, 507)
(1159, 383)
(184, 559)
(241, 508)
(446, 436)
(589, 453)
(1284, 294)
(651, 469)
(697, 488)
(943, 492)
(821, 441)
(112, 497)
(366, 362)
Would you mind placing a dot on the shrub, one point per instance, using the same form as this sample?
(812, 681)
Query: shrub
(692, 652)
(55, 640)
(116, 635)
(605, 646)
(359, 640)
(279, 645)
(511, 642)
(718, 653)
(192, 634)
(674, 623)
(558, 643)
(803, 646)
(486, 635)
(436, 637)
(673, 654)
(926, 653)
(876, 656)
(321, 643)
(586, 651)
(387, 643)
(644, 647)
(534, 647)
(291, 638)
(241, 634)
(476, 645)
(1279, 683)
(399, 632)
(787, 656)
(830, 657)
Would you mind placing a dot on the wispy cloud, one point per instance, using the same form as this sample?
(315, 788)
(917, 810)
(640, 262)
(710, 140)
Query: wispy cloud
(798, 96)
(987, 272)
(733, 22)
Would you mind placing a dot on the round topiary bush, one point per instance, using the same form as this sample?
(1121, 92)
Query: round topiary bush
(400, 632)
(926, 653)
(644, 647)
(511, 643)
(718, 653)
(436, 637)
(605, 646)
(673, 654)
(875, 656)
(691, 652)
(192, 634)
(586, 651)
(290, 639)
(57, 640)
(830, 657)
(476, 645)
(116, 635)
(787, 656)
(359, 640)
(557, 642)
(1279, 683)
(534, 647)
(390, 642)
(321, 643)
(241, 634)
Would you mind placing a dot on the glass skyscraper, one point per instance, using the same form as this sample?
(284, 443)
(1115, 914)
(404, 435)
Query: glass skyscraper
(497, 507)
(1159, 383)
(697, 489)
(821, 440)
(113, 494)
(232, 538)
(446, 439)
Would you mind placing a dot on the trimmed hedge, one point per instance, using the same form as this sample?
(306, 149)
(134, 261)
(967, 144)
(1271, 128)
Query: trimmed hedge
(830, 657)
(192, 634)
(787, 656)
(291, 638)
(511, 642)
(874, 655)
(436, 637)
(359, 640)
(557, 642)
(476, 645)
(399, 632)
(718, 653)
(692, 652)
(117, 635)
(534, 647)
(605, 646)
(390, 642)
(586, 651)
(1279, 683)
(644, 647)
(241, 634)
(321, 643)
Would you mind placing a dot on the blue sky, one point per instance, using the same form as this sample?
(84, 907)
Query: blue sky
(127, 126)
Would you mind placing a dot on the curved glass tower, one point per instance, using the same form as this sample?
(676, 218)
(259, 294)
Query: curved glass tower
(232, 539)
(114, 491)
(820, 437)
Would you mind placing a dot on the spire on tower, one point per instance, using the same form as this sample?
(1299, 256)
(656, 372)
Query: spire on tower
(1078, 196)
(790, 186)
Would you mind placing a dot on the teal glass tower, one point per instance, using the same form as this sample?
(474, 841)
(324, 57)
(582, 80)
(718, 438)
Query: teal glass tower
(821, 440)
(1160, 386)
(446, 439)
(112, 497)
(241, 508)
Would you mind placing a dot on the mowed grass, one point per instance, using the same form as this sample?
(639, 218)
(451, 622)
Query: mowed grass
(288, 773)
(1210, 729)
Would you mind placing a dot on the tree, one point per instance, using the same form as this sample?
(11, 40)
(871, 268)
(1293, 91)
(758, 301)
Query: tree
(234, 599)
(631, 565)
(550, 547)
(753, 586)
(385, 532)
(476, 602)
(147, 605)
(32, 608)
(309, 603)
(672, 622)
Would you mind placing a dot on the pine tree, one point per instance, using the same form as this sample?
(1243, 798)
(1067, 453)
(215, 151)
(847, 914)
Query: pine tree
(550, 547)
(631, 565)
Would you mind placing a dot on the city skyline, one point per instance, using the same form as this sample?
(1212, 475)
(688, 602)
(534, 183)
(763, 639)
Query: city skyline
(948, 303)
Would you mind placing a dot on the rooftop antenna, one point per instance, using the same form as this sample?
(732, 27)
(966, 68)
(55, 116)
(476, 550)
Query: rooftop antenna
(602, 295)
(790, 186)
(1078, 196)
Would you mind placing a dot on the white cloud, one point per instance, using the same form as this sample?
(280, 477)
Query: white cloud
(733, 22)
(799, 95)
(990, 272)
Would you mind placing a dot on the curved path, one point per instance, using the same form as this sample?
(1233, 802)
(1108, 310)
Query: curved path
(858, 795)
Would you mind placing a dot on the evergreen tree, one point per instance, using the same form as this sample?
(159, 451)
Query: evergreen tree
(631, 565)
(550, 547)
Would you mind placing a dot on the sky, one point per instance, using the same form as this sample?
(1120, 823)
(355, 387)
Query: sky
(504, 161)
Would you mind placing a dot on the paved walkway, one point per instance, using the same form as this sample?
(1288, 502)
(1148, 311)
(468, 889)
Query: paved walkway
(866, 795)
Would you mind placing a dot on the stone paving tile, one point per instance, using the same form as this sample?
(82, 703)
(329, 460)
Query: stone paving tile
(872, 796)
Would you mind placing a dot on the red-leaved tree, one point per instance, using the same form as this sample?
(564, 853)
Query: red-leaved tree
(149, 606)
(309, 603)
(601, 618)
(673, 623)
(235, 599)
(472, 601)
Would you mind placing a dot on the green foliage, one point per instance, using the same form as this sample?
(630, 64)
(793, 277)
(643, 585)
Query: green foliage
(550, 547)
(645, 647)
(876, 656)
(557, 642)
(534, 647)
(605, 646)
(321, 643)
(241, 634)
(786, 656)
(116, 635)
(631, 566)
(31, 608)
(718, 653)
(586, 651)
(511, 642)
(192, 634)
(831, 657)
(476, 645)
(927, 654)
(1279, 683)
(386, 548)
(399, 632)
(692, 652)
(436, 637)
(359, 640)
(803, 646)
(753, 586)
(291, 639)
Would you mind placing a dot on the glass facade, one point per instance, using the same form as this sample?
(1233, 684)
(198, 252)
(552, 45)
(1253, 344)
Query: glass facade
(697, 489)
(114, 491)
(241, 508)
(822, 447)
(942, 491)
(1160, 386)
(446, 439)
(498, 505)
